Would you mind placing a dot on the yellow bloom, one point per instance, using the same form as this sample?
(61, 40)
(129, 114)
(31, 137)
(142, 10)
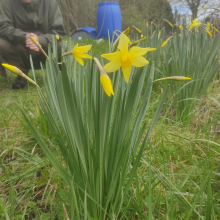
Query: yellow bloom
(11, 68)
(168, 22)
(57, 36)
(215, 29)
(209, 33)
(194, 23)
(17, 71)
(165, 42)
(124, 58)
(147, 24)
(138, 30)
(180, 27)
(152, 49)
(39, 46)
(159, 34)
(106, 85)
(204, 7)
(81, 52)
(104, 79)
(154, 24)
(176, 78)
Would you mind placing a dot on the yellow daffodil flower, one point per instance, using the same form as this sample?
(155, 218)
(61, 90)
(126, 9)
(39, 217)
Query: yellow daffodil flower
(81, 52)
(154, 24)
(57, 36)
(152, 49)
(104, 79)
(194, 23)
(168, 22)
(165, 42)
(17, 71)
(180, 27)
(204, 7)
(176, 78)
(124, 58)
(209, 33)
(147, 24)
(159, 34)
(39, 46)
(215, 29)
(138, 30)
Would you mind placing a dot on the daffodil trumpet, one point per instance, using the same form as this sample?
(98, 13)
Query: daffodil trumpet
(176, 78)
(104, 79)
(125, 58)
(39, 46)
(17, 71)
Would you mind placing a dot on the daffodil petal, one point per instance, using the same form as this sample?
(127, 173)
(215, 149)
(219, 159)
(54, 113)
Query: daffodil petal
(85, 55)
(74, 48)
(126, 72)
(138, 51)
(112, 56)
(139, 61)
(112, 66)
(85, 48)
(123, 43)
(80, 60)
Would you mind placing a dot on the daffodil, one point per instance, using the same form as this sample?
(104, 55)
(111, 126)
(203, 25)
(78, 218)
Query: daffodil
(81, 52)
(104, 79)
(125, 58)
(17, 71)
(138, 30)
(180, 27)
(57, 37)
(154, 24)
(194, 23)
(168, 22)
(39, 46)
(176, 78)
(165, 42)
(152, 49)
(215, 29)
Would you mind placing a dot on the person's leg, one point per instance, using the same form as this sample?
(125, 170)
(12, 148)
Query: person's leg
(16, 55)
(19, 56)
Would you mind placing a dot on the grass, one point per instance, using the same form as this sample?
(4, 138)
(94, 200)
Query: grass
(179, 175)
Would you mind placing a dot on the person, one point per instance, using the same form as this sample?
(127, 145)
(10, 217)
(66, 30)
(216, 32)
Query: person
(20, 19)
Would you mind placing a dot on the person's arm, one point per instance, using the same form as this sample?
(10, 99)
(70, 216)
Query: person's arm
(55, 25)
(7, 30)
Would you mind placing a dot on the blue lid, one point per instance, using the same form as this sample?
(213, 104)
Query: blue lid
(108, 3)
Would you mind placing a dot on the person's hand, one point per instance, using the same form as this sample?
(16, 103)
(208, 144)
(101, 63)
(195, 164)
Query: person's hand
(30, 43)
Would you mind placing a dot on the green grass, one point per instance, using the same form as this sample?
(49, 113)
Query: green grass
(179, 175)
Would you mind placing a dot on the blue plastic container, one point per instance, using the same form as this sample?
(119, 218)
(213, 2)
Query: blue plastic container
(108, 19)
(92, 31)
